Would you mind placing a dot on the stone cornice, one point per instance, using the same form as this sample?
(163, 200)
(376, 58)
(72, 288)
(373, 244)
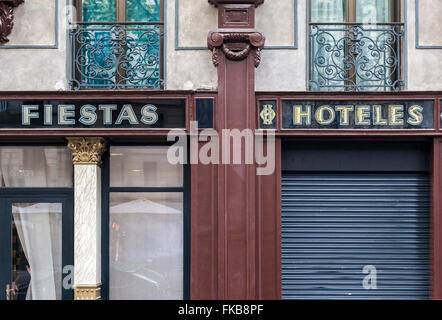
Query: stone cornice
(7, 17)
(254, 2)
(222, 40)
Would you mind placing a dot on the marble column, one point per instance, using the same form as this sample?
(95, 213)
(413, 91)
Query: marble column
(86, 157)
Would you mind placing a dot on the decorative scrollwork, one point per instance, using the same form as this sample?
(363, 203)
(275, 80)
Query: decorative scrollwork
(356, 57)
(7, 17)
(117, 56)
(218, 40)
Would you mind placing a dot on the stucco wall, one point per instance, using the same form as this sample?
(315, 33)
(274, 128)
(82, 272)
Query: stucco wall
(190, 69)
(189, 64)
(31, 67)
(282, 69)
(425, 65)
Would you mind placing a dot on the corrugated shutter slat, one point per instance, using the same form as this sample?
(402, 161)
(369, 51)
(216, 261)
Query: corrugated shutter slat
(335, 224)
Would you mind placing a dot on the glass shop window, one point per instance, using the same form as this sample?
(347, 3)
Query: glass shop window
(36, 222)
(118, 44)
(31, 167)
(356, 45)
(146, 224)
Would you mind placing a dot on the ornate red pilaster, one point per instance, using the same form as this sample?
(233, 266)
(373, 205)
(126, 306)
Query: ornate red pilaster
(7, 17)
(236, 45)
(229, 243)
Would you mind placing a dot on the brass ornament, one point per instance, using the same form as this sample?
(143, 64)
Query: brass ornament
(87, 292)
(267, 114)
(87, 150)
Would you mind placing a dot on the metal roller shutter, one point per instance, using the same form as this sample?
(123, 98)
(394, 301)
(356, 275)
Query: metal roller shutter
(335, 224)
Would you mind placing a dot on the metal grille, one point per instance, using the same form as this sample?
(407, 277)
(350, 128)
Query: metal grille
(117, 56)
(335, 224)
(356, 57)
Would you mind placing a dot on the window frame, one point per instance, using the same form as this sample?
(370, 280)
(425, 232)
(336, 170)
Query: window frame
(396, 8)
(105, 196)
(121, 20)
(63, 195)
(350, 11)
(120, 12)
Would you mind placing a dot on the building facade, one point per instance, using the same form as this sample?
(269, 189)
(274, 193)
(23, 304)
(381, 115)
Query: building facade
(343, 96)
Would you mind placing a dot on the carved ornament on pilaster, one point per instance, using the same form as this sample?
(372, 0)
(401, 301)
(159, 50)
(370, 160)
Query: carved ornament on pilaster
(87, 150)
(7, 17)
(236, 44)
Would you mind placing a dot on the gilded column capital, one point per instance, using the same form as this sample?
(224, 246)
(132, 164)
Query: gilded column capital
(87, 292)
(236, 44)
(87, 150)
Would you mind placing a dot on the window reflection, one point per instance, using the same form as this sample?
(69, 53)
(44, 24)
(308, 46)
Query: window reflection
(35, 167)
(146, 246)
(143, 167)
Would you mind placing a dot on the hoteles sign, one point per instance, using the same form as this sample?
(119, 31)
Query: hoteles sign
(170, 113)
(357, 114)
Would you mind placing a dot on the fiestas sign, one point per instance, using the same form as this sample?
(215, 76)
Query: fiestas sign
(170, 113)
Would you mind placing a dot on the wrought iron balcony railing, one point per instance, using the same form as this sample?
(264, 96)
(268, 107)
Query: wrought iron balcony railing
(356, 57)
(117, 55)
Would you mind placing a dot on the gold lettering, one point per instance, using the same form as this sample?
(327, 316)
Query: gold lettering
(344, 111)
(363, 115)
(415, 115)
(377, 116)
(299, 115)
(396, 115)
(320, 115)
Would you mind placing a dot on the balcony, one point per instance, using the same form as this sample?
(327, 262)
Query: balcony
(356, 57)
(117, 56)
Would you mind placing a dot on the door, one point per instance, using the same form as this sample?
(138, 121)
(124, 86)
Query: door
(36, 244)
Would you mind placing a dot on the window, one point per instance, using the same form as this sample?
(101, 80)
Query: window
(36, 222)
(118, 44)
(147, 225)
(355, 45)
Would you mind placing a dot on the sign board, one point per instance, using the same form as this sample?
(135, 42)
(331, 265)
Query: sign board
(170, 113)
(367, 115)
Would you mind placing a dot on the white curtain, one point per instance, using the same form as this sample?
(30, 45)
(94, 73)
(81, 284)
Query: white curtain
(38, 225)
(372, 11)
(327, 11)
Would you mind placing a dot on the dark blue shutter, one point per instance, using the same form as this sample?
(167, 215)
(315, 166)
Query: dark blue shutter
(335, 224)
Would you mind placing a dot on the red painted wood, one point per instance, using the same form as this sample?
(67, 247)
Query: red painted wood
(436, 223)
(236, 186)
(269, 231)
(204, 244)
